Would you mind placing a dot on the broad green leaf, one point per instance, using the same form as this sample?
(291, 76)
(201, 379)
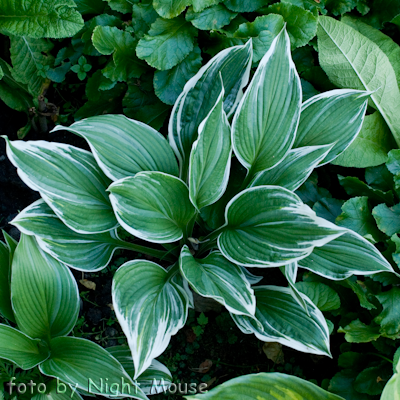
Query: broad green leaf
(349, 254)
(389, 318)
(382, 11)
(150, 308)
(217, 278)
(361, 291)
(391, 390)
(81, 252)
(69, 181)
(290, 272)
(310, 192)
(356, 215)
(324, 297)
(201, 93)
(169, 84)
(214, 17)
(328, 208)
(90, 6)
(342, 384)
(27, 55)
(295, 168)
(143, 16)
(1, 73)
(370, 147)
(271, 386)
(393, 165)
(153, 206)
(360, 64)
(167, 43)
(269, 226)
(170, 9)
(20, 348)
(6, 257)
(44, 293)
(40, 18)
(263, 31)
(210, 158)
(122, 6)
(264, 131)
(387, 218)
(85, 365)
(301, 24)
(123, 147)
(156, 379)
(308, 90)
(244, 5)
(200, 5)
(279, 318)
(57, 390)
(125, 65)
(333, 117)
(357, 332)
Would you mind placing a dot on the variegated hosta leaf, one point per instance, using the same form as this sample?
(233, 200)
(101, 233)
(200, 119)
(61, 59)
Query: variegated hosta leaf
(217, 278)
(156, 379)
(20, 348)
(150, 308)
(265, 123)
(5, 280)
(201, 93)
(152, 206)
(268, 386)
(332, 117)
(290, 272)
(295, 168)
(269, 226)
(44, 293)
(280, 318)
(123, 147)
(86, 365)
(82, 252)
(251, 278)
(55, 391)
(210, 158)
(69, 181)
(349, 254)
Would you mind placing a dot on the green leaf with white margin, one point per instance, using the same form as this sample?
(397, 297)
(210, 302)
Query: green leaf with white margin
(370, 147)
(123, 147)
(271, 386)
(201, 93)
(217, 278)
(150, 308)
(69, 181)
(210, 158)
(85, 365)
(214, 17)
(324, 297)
(391, 391)
(44, 293)
(295, 168)
(5, 280)
(56, 391)
(290, 272)
(279, 318)
(349, 254)
(334, 117)
(82, 252)
(167, 43)
(153, 206)
(170, 9)
(125, 65)
(156, 379)
(352, 60)
(269, 226)
(264, 131)
(20, 349)
(40, 18)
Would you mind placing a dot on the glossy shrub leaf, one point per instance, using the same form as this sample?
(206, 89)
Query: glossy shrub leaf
(150, 308)
(269, 226)
(44, 293)
(20, 348)
(82, 252)
(170, 9)
(217, 278)
(167, 43)
(333, 117)
(349, 254)
(210, 158)
(244, 5)
(5, 280)
(214, 17)
(358, 332)
(85, 365)
(279, 318)
(387, 218)
(156, 379)
(152, 206)
(123, 147)
(360, 64)
(323, 296)
(69, 180)
(263, 131)
(294, 169)
(389, 318)
(40, 18)
(271, 386)
(201, 93)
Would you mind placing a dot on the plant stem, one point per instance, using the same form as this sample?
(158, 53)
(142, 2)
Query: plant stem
(379, 355)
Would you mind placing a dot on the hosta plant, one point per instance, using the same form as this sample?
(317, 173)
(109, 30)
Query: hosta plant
(215, 199)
